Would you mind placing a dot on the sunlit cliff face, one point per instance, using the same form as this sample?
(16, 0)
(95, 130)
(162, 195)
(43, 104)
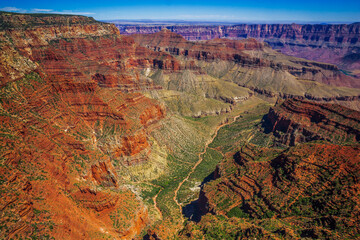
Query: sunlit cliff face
(336, 44)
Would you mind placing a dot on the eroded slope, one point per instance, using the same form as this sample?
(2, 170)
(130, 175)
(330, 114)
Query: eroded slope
(270, 191)
(71, 123)
(254, 65)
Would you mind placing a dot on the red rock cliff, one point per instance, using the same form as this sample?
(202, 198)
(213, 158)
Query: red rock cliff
(69, 101)
(248, 53)
(334, 43)
(295, 121)
(308, 187)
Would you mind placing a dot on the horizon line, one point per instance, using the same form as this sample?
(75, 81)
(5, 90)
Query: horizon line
(164, 21)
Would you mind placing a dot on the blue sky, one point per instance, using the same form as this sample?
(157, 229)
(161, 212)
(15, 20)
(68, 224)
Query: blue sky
(205, 10)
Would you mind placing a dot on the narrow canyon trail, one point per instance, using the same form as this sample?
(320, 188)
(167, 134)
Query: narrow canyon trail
(198, 162)
(155, 203)
(155, 197)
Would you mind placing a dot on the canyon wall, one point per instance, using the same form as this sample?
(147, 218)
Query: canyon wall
(72, 117)
(334, 43)
(295, 121)
(305, 188)
(250, 63)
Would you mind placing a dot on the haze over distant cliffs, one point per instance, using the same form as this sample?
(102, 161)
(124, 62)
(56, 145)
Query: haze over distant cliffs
(334, 43)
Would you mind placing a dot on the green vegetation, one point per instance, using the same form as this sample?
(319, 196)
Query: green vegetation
(186, 136)
(237, 212)
(44, 19)
(244, 130)
(219, 227)
(229, 138)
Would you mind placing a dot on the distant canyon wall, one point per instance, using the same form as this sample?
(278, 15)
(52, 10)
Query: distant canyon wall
(337, 44)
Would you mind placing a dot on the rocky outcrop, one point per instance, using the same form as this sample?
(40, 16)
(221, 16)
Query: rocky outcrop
(306, 186)
(309, 190)
(333, 43)
(128, 217)
(295, 121)
(104, 174)
(77, 55)
(175, 44)
(73, 46)
(152, 114)
(71, 111)
(249, 54)
(133, 144)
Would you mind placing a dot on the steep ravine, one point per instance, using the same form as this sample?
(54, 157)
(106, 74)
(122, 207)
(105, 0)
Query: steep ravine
(200, 160)
(73, 119)
(269, 191)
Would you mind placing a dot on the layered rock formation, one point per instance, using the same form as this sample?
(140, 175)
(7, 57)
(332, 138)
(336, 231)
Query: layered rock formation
(305, 191)
(71, 112)
(312, 186)
(334, 43)
(250, 63)
(219, 49)
(295, 121)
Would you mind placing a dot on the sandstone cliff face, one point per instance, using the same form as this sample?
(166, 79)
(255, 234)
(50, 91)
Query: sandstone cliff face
(56, 43)
(336, 44)
(71, 112)
(248, 55)
(212, 68)
(74, 58)
(175, 44)
(295, 121)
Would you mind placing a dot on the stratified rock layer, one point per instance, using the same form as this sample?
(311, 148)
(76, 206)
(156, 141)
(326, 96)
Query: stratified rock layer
(295, 121)
(71, 112)
(333, 43)
(311, 186)
(256, 63)
(310, 190)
